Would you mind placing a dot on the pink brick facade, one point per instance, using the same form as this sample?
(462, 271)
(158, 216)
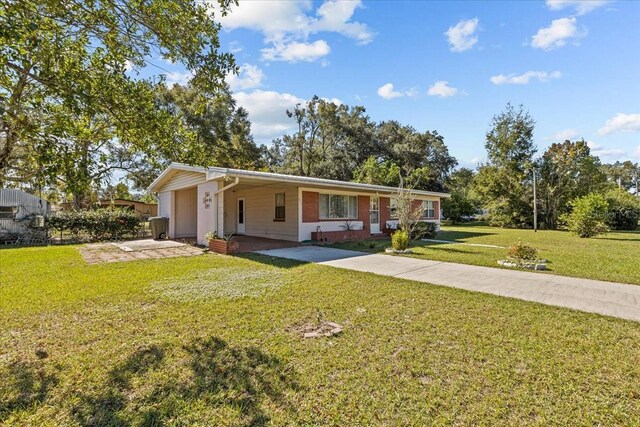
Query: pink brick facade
(310, 204)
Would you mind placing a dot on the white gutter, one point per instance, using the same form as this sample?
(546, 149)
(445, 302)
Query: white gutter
(226, 187)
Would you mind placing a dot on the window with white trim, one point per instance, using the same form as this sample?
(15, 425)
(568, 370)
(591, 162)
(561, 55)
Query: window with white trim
(280, 210)
(429, 208)
(336, 206)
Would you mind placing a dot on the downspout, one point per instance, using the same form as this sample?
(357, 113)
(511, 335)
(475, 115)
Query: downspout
(226, 187)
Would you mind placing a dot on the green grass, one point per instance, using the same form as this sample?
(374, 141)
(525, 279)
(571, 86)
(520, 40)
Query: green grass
(614, 257)
(212, 341)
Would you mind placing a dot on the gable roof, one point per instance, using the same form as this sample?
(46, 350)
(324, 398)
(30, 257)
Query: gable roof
(217, 173)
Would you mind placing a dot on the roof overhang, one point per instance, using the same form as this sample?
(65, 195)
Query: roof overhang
(214, 173)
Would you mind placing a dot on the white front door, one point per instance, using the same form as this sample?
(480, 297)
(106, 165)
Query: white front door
(240, 225)
(374, 215)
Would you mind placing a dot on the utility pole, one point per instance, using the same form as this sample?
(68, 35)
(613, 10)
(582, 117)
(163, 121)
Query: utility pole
(535, 202)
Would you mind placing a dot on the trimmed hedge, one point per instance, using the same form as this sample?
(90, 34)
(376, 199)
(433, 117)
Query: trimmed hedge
(98, 224)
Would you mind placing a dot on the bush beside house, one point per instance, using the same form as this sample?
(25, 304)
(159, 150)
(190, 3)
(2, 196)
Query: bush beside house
(98, 224)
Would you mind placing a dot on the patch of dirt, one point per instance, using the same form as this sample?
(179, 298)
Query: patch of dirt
(323, 329)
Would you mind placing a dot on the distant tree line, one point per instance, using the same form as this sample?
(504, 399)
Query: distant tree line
(566, 173)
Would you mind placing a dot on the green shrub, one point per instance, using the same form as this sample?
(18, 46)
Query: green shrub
(589, 216)
(624, 210)
(424, 230)
(520, 252)
(400, 240)
(98, 224)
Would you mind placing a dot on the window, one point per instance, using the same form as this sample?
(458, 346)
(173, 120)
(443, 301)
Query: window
(7, 212)
(429, 207)
(334, 206)
(279, 216)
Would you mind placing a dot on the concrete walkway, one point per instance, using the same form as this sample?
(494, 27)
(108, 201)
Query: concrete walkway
(612, 299)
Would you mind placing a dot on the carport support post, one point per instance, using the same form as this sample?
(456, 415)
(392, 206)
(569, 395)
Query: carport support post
(220, 213)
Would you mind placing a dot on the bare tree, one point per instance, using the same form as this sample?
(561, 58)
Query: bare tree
(407, 211)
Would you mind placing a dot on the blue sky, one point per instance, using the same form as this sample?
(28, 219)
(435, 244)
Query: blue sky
(445, 66)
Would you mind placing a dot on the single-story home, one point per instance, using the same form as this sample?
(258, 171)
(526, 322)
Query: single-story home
(198, 200)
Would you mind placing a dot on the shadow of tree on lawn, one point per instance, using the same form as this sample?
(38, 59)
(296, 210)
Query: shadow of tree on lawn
(214, 377)
(104, 409)
(24, 385)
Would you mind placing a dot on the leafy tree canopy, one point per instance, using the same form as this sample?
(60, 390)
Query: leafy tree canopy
(66, 76)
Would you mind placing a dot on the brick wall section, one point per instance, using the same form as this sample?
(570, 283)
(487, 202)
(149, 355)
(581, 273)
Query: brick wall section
(363, 212)
(310, 206)
(436, 206)
(417, 204)
(385, 212)
(340, 236)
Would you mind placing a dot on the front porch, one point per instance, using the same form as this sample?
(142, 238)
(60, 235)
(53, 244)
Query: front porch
(253, 243)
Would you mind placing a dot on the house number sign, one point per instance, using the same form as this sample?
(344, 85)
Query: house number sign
(206, 200)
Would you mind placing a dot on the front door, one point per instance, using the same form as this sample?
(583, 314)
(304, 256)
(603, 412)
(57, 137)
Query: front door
(374, 215)
(240, 226)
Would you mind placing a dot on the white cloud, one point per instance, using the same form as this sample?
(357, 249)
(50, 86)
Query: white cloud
(563, 135)
(556, 34)
(336, 101)
(177, 77)
(287, 25)
(248, 77)
(267, 112)
(273, 18)
(387, 91)
(621, 122)
(525, 78)
(296, 51)
(581, 7)
(606, 153)
(441, 88)
(462, 36)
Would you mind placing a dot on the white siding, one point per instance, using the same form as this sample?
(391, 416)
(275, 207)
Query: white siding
(183, 179)
(207, 210)
(260, 211)
(164, 204)
(186, 212)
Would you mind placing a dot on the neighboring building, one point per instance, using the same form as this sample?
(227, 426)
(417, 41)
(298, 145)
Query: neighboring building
(198, 200)
(144, 210)
(20, 213)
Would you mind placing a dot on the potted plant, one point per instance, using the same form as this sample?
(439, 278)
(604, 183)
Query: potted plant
(223, 244)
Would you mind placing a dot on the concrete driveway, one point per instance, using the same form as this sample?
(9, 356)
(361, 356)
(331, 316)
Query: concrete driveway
(594, 296)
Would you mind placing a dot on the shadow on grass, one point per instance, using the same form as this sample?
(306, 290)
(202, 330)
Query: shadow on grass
(616, 239)
(459, 236)
(439, 248)
(148, 390)
(24, 386)
(270, 260)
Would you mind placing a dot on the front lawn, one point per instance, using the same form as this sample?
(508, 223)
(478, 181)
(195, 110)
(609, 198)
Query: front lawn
(214, 341)
(613, 257)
